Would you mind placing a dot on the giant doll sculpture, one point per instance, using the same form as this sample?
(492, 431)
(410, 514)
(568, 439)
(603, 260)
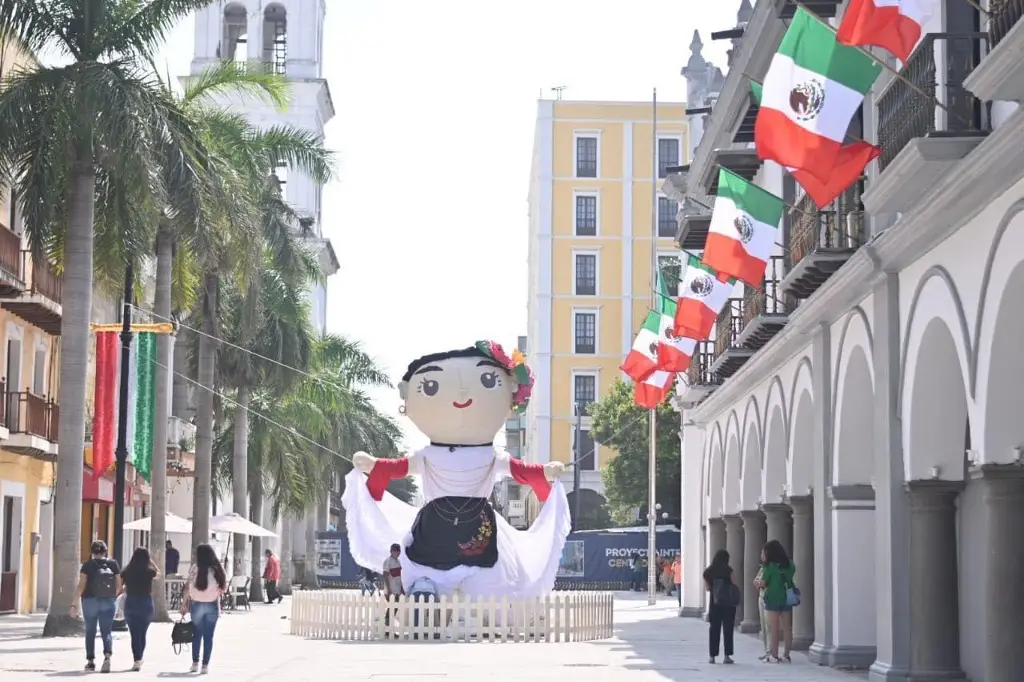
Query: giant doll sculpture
(460, 400)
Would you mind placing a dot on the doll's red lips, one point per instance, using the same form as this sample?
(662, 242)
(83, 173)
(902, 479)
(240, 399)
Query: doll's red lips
(463, 405)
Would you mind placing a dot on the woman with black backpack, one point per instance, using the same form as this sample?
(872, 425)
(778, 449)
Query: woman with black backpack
(724, 598)
(99, 581)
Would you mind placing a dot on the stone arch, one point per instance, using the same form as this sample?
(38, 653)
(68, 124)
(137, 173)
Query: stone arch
(1003, 433)
(234, 42)
(592, 509)
(750, 478)
(731, 470)
(801, 432)
(716, 471)
(854, 420)
(773, 482)
(275, 38)
(776, 398)
(751, 418)
(933, 403)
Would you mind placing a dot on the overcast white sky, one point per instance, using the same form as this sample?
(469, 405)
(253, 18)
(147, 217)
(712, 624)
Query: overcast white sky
(434, 131)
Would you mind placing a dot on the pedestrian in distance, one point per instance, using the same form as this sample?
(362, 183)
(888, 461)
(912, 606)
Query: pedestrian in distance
(99, 581)
(137, 587)
(272, 574)
(780, 595)
(203, 589)
(724, 598)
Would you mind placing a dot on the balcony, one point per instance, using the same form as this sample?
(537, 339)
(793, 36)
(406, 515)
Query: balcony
(999, 75)
(40, 303)
(700, 380)
(181, 435)
(742, 162)
(11, 276)
(729, 353)
(826, 9)
(921, 142)
(335, 501)
(765, 309)
(32, 422)
(821, 241)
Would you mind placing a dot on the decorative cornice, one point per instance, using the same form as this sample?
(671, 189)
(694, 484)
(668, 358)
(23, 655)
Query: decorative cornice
(938, 214)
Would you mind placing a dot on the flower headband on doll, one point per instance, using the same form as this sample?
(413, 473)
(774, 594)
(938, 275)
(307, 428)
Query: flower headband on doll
(517, 367)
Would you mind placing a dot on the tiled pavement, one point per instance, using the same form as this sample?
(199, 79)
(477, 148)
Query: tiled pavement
(650, 643)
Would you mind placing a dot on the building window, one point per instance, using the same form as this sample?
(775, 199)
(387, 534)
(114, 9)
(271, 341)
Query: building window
(275, 39)
(586, 274)
(586, 215)
(584, 391)
(667, 210)
(586, 157)
(668, 155)
(585, 454)
(670, 269)
(585, 336)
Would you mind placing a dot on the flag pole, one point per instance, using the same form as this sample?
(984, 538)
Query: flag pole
(652, 558)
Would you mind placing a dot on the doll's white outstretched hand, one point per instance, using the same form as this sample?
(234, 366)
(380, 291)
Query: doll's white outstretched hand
(553, 470)
(363, 462)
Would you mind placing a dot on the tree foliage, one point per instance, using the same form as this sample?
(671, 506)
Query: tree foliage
(620, 424)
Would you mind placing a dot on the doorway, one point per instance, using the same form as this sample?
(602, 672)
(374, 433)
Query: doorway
(10, 552)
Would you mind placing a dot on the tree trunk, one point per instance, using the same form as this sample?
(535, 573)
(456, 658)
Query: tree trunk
(158, 504)
(310, 581)
(284, 585)
(256, 516)
(181, 400)
(201, 500)
(240, 476)
(74, 362)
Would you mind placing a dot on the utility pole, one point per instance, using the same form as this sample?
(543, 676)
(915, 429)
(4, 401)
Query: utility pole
(652, 468)
(576, 475)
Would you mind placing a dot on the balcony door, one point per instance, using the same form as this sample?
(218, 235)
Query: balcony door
(13, 384)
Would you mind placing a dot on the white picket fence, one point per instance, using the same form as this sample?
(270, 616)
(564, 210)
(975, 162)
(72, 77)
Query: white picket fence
(561, 617)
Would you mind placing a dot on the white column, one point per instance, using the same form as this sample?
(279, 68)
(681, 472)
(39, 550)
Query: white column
(693, 559)
(853, 571)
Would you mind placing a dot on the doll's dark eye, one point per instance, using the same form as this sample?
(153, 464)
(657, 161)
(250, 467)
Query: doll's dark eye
(489, 379)
(429, 387)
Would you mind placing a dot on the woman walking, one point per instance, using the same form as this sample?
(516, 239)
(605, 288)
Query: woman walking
(724, 598)
(206, 583)
(777, 581)
(137, 587)
(99, 581)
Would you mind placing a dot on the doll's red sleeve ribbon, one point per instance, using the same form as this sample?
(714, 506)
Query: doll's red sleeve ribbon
(531, 475)
(384, 471)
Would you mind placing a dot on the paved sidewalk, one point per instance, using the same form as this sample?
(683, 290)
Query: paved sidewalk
(650, 644)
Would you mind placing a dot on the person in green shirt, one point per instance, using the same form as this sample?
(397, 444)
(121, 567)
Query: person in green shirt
(776, 581)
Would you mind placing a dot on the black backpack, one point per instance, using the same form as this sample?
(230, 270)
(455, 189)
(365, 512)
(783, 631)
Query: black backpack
(724, 593)
(102, 581)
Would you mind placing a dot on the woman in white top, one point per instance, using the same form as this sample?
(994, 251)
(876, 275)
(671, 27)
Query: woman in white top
(206, 583)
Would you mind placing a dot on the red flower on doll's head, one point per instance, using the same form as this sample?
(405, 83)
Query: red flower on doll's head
(517, 367)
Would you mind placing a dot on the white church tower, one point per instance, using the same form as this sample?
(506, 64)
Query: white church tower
(287, 37)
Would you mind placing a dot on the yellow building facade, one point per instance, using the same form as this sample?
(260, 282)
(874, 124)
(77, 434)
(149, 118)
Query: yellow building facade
(594, 207)
(30, 312)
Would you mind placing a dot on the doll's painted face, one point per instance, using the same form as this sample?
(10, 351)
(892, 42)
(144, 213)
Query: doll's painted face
(459, 400)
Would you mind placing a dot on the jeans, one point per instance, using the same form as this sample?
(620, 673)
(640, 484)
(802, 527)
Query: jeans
(138, 614)
(723, 621)
(97, 611)
(204, 619)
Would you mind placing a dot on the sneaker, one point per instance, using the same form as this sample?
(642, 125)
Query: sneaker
(137, 666)
(205, 670)
(90, 666)
(280, 599)
(727, 660)
(711, 660)
(194, 668)
(105, 668)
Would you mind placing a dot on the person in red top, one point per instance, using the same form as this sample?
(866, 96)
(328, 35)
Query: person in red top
(271, 574)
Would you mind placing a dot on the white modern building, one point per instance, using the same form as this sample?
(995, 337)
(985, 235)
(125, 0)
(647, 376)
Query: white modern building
(285, 37)
(862, 407)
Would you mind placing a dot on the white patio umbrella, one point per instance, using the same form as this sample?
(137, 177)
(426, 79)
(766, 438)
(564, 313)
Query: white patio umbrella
(173, 524)
(238, 525)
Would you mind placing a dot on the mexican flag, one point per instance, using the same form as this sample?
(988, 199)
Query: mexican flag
(850, 164)
(653, 390)
(891, 24)
(744, 226)
(656, 346)
(702, 295)
(812, 91)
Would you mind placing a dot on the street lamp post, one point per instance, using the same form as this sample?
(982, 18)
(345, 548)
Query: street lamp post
(121, 451)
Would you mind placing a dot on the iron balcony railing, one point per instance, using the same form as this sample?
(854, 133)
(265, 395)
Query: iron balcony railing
(335, 499)
(10, 254)
(935, 72)
(41, 277)
(699, 372)
(29, 413)
(1003, 15)
(767, 299)
(728, 326)
(839, 226)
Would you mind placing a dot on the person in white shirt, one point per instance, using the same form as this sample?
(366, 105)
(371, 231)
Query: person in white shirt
(206, 583)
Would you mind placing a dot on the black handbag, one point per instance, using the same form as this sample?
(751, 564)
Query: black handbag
(181, 634)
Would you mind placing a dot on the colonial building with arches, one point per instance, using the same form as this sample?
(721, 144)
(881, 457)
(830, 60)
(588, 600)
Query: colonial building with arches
(862, 405)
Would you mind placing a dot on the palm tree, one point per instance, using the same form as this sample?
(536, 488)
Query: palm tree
(68, 130)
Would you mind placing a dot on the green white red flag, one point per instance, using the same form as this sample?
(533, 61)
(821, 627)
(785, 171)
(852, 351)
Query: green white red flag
(850, 164)
(895, 25)
(744, 226)
(812, 91)
(702, 295)
(656, 345)
(653, 390)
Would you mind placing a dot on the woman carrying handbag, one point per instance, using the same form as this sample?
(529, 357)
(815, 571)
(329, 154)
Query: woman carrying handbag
(780, 596)
(203, 589)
